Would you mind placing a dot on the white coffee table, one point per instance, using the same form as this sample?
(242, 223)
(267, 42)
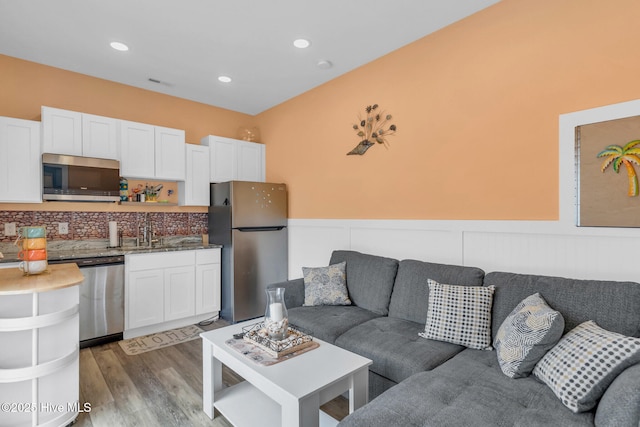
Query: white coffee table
(287, 394)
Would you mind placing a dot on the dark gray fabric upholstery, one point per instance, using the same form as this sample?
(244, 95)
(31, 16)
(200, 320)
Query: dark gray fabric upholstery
(468, 390)
(294, 292)
(369, 279)
(411, 293)
(328, 322)
(395, 347)
(378, 385)
(421, 383)
(620, 405)
(612, 305)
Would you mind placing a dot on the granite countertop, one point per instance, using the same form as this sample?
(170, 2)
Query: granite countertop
(60, 251)
(62, 255)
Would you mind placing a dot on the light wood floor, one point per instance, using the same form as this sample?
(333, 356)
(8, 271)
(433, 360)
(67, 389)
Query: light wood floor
(158, 388)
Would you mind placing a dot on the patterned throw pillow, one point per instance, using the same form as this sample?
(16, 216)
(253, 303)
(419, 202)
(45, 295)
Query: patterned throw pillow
(585, 362)
(326, 285)
(526, 335)
(459, 314)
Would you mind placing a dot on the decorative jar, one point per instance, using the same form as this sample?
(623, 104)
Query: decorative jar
(276, 318)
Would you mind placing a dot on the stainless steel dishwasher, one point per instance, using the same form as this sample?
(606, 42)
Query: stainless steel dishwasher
(101, 299)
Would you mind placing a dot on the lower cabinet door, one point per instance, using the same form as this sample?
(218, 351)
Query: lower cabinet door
(207, 288)
(146, 298)
(179, 292)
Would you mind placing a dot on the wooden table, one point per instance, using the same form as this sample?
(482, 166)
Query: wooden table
(287, 394)
(39, 337)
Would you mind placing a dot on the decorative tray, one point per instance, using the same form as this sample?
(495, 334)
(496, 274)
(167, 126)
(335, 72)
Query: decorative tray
(296, 340)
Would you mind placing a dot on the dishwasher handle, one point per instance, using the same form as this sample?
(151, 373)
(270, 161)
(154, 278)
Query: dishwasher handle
(90, 262)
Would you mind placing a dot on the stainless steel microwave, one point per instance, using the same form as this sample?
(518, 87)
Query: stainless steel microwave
(85, 179)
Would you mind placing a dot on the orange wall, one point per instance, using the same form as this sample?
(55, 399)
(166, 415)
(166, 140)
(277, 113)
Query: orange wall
(26, 86)
(476, 105)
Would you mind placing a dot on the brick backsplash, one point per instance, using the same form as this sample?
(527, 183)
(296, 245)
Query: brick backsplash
(95, 225)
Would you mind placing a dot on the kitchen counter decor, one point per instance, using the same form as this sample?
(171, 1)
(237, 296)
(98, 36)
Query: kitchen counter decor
(33, 253)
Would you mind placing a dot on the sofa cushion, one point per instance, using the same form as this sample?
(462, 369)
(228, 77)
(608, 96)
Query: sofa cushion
(369, 279)
(328, 322)
(583, 364)
(526, 335)
(410, 291)
(468, 390)
(326, 285)
(459, 314)
(395, 347)
(620, 405)
(612, 305)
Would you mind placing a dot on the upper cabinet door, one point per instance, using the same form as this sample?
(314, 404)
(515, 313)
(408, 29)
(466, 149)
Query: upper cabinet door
(250, 161)
(194, 191)
(99, 137)
(61, 131)
(137, 150)
(170, 154)
(222, 155)
(20, 161)
(234, 159)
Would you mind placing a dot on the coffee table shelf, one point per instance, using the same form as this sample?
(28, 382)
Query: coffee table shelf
(244, 405)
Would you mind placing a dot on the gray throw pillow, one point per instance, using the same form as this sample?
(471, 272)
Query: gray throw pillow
(326, 285)
(525, 336)
(585, 362)
(459, 315)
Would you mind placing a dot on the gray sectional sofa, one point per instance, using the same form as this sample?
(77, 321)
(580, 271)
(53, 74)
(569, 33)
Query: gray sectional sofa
(415, 381)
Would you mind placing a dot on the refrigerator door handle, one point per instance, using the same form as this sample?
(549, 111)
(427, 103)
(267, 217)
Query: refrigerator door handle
(248, 229)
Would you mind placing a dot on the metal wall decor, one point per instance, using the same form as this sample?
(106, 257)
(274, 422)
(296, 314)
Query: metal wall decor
(374, 128)
(628, 156)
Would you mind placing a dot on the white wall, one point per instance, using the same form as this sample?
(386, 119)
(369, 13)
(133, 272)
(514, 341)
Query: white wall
(541, 247)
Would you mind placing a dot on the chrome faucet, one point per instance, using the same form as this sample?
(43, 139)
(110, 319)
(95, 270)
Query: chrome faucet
(148, 235)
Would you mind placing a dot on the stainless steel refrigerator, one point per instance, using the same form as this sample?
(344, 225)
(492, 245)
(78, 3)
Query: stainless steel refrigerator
(250, 220)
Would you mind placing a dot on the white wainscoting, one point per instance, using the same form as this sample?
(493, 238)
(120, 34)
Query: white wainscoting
(515, 246)
(539, 247)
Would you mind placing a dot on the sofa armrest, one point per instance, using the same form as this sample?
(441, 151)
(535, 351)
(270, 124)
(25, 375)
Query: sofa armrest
(294, 292)
(620, 404)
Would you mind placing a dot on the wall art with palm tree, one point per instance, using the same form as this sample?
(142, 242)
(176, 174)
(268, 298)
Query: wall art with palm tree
(606, 198)
(628, 156)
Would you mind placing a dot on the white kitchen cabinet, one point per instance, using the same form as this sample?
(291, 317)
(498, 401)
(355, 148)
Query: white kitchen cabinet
(99, 137)
(207, 281)
(146, 298)
(61, 131)
(151, 152)
(250, 161)
(79, 134)
(169, 154)
(20, 161)
(164, 290)
(222, 158)
(233, 159)
(137, 149)
(179, 292)
(194, 190)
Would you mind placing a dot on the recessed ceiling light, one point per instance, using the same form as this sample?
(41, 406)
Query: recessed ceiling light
(224, 79)
(119, 46)
(301, 43)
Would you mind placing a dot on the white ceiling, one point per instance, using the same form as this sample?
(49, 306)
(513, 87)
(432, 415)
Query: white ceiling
(187, 44)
